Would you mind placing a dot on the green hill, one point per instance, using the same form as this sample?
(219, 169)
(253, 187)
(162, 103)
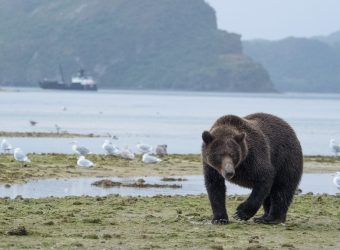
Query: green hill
(130, 44)
(299, 64)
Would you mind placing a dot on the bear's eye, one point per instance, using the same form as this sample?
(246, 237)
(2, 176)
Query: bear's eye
(215, 156)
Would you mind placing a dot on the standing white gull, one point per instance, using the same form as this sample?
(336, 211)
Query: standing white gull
(110, 148)
(144, 148)
(20, 156)
(336, 180)
(147, 158)
(334, 146)
(127, 154)
(6, 146)
(79, 149)
(82, 162)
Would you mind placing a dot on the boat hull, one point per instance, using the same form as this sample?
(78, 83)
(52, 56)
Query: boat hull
(63, 86)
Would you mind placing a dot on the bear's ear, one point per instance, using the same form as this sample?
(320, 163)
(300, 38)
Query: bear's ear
(207, 137)
(240, 137)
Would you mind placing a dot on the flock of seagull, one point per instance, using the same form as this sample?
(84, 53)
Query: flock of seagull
(109, 148)
(125, 153)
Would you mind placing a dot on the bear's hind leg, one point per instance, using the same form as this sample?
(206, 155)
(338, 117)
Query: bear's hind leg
(281, 198)
(266, 208)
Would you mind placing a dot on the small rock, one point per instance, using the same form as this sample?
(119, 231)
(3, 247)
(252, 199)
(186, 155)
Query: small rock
(49, 223)
(19, 197)
(107, 236)
(141, 180)
(253, 239)
(290, 246)
(19, 231)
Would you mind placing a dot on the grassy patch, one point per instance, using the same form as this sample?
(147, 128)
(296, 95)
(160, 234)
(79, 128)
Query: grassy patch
(180, 222)
(64, 166)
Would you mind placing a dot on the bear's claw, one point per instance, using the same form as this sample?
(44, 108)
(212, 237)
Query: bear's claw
(220, 221)
(268, 220)
(241, 216)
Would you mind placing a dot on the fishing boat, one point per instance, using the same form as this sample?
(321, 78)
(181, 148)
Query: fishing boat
(78, 82)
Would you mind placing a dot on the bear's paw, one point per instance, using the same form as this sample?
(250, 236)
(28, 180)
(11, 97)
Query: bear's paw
(244, 212)
(220, 221)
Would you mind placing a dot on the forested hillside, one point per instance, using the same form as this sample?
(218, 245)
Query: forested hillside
(128, 44)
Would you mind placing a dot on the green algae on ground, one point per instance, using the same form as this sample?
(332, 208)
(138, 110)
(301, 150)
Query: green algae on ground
(105, 183)
(64, 166)
(173, 179)
(322, 159)
(179, 222)
(45, 134)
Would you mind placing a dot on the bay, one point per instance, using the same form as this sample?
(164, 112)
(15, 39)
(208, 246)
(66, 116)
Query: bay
(173, 118)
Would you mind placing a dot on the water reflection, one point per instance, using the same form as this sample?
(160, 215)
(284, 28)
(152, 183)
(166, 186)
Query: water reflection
(316, 183)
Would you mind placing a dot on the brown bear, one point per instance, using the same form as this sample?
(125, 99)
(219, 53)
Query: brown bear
(259, 151)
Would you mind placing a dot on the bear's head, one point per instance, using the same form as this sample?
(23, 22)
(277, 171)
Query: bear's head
(224, 154)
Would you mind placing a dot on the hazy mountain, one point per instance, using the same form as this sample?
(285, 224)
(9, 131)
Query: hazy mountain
(299, 64)
(146, 44)
(332, 39)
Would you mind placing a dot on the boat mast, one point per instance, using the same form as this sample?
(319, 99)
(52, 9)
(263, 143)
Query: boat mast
(61, 73)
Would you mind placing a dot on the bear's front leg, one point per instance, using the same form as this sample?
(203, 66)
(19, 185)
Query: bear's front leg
(249, 208)
(216, 189)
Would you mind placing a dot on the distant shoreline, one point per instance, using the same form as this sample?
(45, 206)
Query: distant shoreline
(170, 92)
(46, 134)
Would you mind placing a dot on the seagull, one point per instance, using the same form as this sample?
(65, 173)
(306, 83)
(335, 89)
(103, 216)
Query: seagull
(162, 149)
(79, 149)
(33, 123)
(144, 148)
(82, 162)
(334, 146)
(6, 146)
(110, 149)
(127, 154)
(147, 158)
(336, 180)
(19, 155)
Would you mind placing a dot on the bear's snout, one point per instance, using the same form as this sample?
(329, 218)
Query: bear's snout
(228, 173)
(228, 170)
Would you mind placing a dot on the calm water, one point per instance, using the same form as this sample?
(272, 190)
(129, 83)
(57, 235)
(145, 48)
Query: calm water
(316, 183)
(174, 118)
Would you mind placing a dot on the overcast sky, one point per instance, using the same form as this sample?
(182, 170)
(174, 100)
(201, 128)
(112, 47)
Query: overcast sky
(276, 19)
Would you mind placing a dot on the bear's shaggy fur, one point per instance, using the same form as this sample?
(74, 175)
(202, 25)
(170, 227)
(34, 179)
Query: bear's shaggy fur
(259, 151)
